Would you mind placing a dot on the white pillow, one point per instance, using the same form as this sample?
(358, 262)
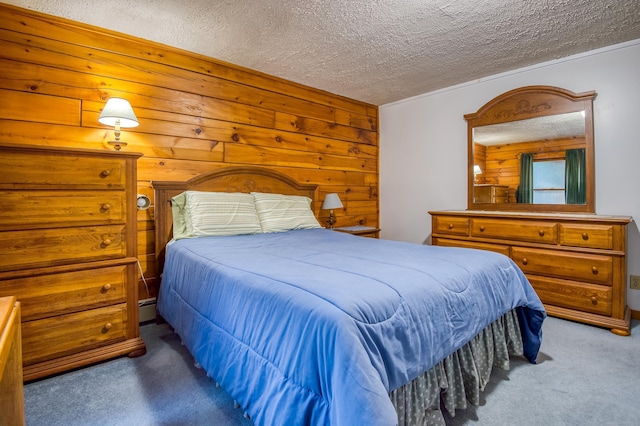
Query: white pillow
(178, 215)
(279, 213)
(215, 214)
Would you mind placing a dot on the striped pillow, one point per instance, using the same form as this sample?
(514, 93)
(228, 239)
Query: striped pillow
(279, 213)
(219, 214)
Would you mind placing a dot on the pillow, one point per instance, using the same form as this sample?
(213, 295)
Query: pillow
(279, 213)
(203, 214)
(178, 214)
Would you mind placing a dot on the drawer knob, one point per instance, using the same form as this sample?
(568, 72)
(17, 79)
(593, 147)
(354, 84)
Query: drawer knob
(585, 236)
(525, 261)
(106, 242)
(594, 300)
(594, 269)
(105, 207)
(107, 326)
(105, 173)
(106, 288)
(541, 232)
(481, 228)
(451, 226)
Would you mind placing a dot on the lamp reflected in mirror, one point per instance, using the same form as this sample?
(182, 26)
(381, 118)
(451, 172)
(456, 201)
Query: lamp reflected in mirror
(476, 171)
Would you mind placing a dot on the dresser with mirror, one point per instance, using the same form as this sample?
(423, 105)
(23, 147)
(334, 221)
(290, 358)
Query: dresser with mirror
(535, 145)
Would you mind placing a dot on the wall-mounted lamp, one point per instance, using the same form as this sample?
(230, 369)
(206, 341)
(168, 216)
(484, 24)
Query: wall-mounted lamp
(143, 202)
(476, 171)
(118, 113)
(331, 201)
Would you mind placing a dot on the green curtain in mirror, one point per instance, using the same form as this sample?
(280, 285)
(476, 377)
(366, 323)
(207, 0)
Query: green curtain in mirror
(525, 190)
(575, 176)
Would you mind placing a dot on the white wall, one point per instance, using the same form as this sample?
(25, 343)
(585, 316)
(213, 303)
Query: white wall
(423, 143)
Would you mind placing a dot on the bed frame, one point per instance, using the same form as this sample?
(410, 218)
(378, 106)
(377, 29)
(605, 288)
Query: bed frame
(228, 179)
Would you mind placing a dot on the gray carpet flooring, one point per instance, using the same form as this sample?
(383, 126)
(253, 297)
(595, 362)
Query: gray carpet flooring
(585, 376)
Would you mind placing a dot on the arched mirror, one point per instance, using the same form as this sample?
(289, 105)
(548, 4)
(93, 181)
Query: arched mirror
(531, 149)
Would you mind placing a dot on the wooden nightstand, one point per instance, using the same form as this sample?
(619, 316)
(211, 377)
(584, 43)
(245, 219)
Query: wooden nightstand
(363, 231)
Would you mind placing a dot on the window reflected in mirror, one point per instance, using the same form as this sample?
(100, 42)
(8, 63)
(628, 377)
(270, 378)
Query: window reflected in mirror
(548, 182)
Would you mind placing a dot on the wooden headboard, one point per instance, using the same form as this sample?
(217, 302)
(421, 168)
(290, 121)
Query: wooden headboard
(230, 179)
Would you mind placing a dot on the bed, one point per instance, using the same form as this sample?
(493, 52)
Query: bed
(306, 325)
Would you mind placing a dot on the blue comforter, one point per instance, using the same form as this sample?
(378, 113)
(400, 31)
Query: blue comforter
(316, 327)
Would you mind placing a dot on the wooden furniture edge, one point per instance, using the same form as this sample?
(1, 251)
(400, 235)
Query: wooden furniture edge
(131, 347)
(11, 380)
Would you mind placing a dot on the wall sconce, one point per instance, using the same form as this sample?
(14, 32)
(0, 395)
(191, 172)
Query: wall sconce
(331, 201)
(476, 171)
(143, 202)
(118, 113)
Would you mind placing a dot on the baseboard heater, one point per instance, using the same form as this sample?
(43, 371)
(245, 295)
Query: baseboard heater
(147, 309)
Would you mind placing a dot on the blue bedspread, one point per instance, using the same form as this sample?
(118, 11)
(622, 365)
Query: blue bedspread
(316, 327)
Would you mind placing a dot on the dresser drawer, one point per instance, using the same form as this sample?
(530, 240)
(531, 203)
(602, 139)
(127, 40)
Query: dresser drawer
(20, 249)
(498, 248)
(66, 334)
(60, 170)
(24, 209)
(44, 296)
(451, 225)
(592, 298)
(579, 267)
(589, 236)
(520, 230)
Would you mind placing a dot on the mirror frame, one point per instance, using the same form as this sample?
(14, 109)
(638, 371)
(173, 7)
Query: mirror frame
(529, 102)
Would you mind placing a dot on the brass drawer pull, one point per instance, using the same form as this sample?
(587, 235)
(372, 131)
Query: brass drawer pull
(541, 232)
(594, 300)
(481, 228)
(106, 288)
(105, 173)
(594, 269)
(585, 236)
(525, 261)
(107, 327)
(105, 207)
(106, 242)
(451, 226)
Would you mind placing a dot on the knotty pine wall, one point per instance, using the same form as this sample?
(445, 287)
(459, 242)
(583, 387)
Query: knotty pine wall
(196, 114)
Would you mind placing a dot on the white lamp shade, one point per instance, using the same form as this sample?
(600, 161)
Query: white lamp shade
(477, 170)
(332, 201)
(118, 109)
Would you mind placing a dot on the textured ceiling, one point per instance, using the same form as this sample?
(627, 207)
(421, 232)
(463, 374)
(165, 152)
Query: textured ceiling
(376, 51)
(568, 125)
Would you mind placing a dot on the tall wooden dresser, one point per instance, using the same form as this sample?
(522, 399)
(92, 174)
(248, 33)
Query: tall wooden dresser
(68, 254)
(576, 263)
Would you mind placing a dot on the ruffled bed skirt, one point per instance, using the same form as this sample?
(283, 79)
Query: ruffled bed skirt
(460, 377)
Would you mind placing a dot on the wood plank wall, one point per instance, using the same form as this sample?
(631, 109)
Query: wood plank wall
(196, 114)
(500, 164)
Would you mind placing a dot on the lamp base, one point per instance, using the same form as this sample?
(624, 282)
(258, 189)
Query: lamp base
(117, 145)
(332, 219)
